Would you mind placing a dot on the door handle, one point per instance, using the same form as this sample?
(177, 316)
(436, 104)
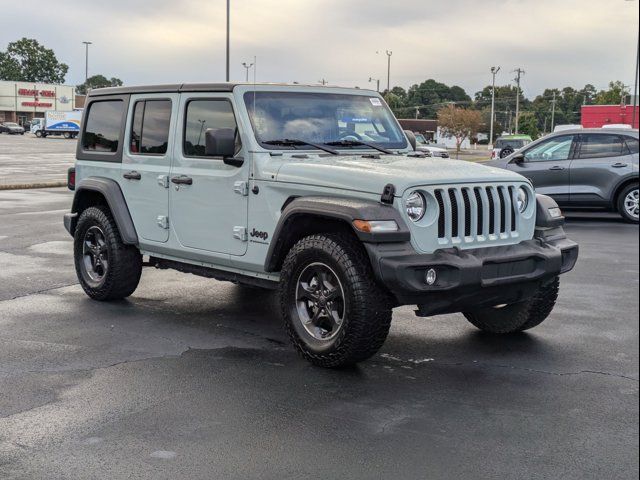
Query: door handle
(557, 168)
(620, 165)
(133, 175)
(182, 180)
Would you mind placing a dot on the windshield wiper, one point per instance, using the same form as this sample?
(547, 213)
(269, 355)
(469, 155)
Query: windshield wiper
(358, 143)
(293, 142)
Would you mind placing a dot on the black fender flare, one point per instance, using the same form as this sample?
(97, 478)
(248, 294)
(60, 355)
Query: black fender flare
(330, 208)
(112, 193)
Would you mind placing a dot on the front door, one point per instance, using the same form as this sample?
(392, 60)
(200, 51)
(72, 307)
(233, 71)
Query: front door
(146, 160)
(208, 198)
(547, 166)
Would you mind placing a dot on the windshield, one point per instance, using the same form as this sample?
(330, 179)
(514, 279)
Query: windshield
(514, 143)
(321, 118)
(420, 140)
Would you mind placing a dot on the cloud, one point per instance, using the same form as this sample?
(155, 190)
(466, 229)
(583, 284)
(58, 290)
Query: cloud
(557, 42)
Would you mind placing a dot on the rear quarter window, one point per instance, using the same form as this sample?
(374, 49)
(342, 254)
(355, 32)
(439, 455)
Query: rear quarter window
(103, 126)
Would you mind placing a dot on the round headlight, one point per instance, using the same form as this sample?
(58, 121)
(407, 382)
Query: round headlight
(523, 200)
(416, 206)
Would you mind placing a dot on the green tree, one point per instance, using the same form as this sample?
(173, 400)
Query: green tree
(430, 96)
(528, 124)
(612, 96)
(97, 81)
(27, 61)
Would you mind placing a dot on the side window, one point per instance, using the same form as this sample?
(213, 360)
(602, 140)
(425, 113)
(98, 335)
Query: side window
(595, 145)
(150, 127)
(554, 149)
(102, 130)
(632, 144)
(203, 115)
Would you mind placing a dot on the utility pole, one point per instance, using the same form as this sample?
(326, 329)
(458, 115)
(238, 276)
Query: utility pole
(417, 112)
(377, 80)
(553, 110)
(247, 66)
(494, 71)
(86, 62)
(519, 72)
(322, 82)
(228, 35)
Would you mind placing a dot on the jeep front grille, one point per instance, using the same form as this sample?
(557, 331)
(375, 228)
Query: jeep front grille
(477, 214)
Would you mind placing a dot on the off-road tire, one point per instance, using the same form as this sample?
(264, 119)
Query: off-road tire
(506, 151)
(518, 316)
(125, 261)
(367, 306)
(621, 203)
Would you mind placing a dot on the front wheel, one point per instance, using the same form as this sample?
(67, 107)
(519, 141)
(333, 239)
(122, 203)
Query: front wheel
(333, 310)
(106, 268)
(518, 316)
(628, 203)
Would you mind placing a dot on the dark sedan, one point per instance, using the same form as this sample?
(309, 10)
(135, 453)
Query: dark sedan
(591, 168)
(11, 128)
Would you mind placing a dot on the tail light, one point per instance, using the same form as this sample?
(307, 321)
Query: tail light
(71, 178)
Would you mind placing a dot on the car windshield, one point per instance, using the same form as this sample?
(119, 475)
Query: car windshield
(420, 140)
(286, 119)
(514, 143)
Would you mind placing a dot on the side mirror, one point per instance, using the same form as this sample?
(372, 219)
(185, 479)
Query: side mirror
(518, 159)
(412, 138)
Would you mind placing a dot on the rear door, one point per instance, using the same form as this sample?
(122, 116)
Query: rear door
(146, 161)
(602, 160)
(547, 166)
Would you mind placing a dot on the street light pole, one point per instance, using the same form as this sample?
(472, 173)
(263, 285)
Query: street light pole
(377, 80)
(228, 35)
(86, 62)
(389, 53)
(247, 66)
(494, 71)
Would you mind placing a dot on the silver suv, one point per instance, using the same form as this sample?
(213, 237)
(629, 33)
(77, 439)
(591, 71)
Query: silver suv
(314, 192)
(583, 168)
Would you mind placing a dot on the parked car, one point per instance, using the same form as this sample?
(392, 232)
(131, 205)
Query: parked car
(316, 193)
(429, 149)
(583, 168)
(507, 144)
(11, 128)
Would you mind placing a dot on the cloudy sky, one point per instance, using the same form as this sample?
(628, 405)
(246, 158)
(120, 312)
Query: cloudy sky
(557, 42)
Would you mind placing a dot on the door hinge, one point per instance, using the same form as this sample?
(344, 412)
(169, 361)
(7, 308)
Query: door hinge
(241, 188)
(240, 233)
(163, 222)
(163, 181)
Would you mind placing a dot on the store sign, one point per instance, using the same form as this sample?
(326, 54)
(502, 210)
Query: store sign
(31, 92)
(36, 104)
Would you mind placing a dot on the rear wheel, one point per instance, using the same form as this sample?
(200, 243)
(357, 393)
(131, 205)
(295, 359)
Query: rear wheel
(628, 203)
(333, 310)
(518, 316)
(67, 135)
(505, 152)
(106, 268)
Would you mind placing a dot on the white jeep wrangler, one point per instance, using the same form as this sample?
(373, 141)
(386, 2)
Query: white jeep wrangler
(315, 192)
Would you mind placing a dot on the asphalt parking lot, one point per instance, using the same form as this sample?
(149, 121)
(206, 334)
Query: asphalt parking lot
(193, 378)
(28, 159)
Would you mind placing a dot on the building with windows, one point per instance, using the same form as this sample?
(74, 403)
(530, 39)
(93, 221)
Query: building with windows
(22, 101)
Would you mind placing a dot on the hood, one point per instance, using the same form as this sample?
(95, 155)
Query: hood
(354, 172)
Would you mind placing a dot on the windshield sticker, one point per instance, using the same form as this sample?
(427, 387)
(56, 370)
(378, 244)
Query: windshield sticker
(375, 102)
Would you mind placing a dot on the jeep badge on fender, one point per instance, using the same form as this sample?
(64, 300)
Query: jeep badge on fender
(358, 223)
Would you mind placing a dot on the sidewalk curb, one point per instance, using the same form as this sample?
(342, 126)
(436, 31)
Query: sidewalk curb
(24, 186)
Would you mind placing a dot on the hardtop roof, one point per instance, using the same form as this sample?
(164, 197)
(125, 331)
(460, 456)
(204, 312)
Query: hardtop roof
(195, 87)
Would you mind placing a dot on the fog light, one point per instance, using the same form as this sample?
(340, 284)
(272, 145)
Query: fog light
(431, 276)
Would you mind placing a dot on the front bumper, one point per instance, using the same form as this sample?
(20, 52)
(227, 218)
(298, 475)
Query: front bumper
(471, 279)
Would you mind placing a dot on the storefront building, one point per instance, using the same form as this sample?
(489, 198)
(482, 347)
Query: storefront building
(22, 101)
